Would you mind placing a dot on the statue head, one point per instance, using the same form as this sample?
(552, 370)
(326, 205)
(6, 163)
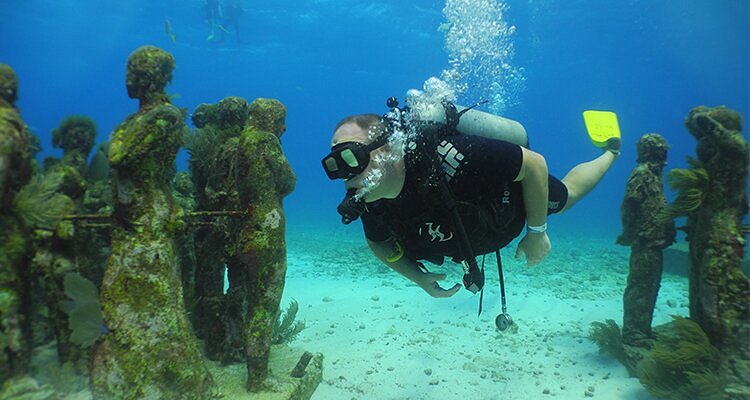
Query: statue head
(8, 84)
(76, 132)
(233, 111)
(149, 70)
(204, 115)
(652, 148)
(268, 115)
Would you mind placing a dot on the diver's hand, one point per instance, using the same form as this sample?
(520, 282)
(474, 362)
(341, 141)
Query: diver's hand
(428, 282)
(535, 246)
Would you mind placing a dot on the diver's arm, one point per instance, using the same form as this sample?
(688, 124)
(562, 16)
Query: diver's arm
(411, 270)
(534, 178)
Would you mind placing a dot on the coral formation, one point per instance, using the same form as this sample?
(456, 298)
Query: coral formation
(683, 364)
(39, 204)
(608, 338)
(692, 186)
(83, 309)
(286, 328)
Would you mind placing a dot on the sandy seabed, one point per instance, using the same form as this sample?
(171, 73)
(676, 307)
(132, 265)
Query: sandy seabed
(384, 338)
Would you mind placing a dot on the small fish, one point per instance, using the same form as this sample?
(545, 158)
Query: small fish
(168, 30)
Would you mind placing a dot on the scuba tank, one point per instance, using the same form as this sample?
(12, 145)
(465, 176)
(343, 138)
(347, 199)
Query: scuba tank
(473, 122)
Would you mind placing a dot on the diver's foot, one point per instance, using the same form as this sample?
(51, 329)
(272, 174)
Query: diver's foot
(613, 146)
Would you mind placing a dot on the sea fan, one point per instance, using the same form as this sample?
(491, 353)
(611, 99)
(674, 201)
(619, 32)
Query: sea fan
(286, 328)
(608, 338)
(40, 205)
(683, 364)
(84, 311)
(692, 185)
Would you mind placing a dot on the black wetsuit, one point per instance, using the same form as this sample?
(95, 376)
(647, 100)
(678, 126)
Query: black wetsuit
(479, 174)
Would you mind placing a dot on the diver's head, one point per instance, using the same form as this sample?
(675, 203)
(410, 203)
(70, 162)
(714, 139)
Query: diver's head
(652, 148)
(360, 155)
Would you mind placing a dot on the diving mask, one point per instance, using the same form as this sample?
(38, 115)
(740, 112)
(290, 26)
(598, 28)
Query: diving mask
(349, 159)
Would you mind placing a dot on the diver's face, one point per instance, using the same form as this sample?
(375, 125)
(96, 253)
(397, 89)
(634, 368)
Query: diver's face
(368, 183)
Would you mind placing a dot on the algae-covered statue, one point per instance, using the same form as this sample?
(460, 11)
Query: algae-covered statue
(56, 249)
(149, 350)
(647, 235)
(238, 165)
(719, 289)
(708, 356)
(266, 178)
(213, 164)
(15, 171)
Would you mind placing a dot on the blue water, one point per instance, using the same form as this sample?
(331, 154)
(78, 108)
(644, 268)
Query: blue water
(651, 62)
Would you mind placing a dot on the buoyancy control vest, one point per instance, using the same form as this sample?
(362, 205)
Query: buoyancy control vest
(489, 222)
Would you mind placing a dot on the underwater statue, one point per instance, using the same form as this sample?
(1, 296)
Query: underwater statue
(56, 249)
(184, 195)
(265, 180)
(719, 289)
(213, 166)
(708, 355)
(16, 166)
(238, 165)
(647, 235)
(148, 349)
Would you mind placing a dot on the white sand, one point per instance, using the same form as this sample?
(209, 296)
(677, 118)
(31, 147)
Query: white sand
(383, 338)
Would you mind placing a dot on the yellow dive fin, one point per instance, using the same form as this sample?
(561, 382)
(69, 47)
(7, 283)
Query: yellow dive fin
(601, 125)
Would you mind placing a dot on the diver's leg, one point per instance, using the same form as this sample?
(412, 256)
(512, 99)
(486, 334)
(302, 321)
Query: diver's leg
(584, 177)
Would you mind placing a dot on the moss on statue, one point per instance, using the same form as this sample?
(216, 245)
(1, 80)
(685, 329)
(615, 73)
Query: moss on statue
(237, 165)
(646, 235)
(16, 166)
(151, 351)
(716, 202)
(213, 167)
(8, 84)
(56, 251)
(75, 134)
(266, 178)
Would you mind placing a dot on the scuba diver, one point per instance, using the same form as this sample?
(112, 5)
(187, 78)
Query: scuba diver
(212, 14)
(232, 14)
(451, 182)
